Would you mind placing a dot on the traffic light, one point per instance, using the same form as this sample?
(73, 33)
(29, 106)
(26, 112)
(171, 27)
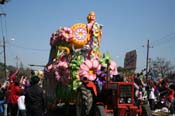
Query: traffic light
(2, 1)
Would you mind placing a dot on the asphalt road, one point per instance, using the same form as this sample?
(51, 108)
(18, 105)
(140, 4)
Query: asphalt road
(62, 111)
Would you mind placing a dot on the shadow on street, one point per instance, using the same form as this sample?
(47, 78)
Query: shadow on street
(66, 110)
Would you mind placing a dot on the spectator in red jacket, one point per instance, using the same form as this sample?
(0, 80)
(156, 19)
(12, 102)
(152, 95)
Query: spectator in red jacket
(9, 87)
(172, 100)
(14, 92)
(13, 75)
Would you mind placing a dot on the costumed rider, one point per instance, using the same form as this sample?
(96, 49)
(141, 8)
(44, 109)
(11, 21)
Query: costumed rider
(95, 31)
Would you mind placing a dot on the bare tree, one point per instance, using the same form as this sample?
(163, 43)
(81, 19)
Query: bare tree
(161, 67)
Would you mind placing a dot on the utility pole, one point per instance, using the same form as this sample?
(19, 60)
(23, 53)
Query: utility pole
(4, 51)
(17, 61)
(4, 46)
(147, 57)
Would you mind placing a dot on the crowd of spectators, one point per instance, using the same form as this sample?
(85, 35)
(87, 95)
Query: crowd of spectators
(158, 92)
(22, 96)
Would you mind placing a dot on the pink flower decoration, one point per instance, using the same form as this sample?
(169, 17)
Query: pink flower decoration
(61, 71)
(54, 38)
(88, 69)
(66, 34)
(113, 68)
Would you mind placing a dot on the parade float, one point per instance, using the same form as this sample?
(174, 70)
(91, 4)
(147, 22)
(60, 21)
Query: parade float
(75, 55)
(77, 72)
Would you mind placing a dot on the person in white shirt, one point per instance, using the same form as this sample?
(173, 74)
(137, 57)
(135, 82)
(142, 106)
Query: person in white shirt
(152, 96)
(21, 104)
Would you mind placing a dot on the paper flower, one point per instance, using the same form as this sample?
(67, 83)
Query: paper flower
(88, 69)
(66, 34)
(113, 68)
(62, 72)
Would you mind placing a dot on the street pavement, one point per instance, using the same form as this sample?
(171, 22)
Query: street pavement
(62, 111)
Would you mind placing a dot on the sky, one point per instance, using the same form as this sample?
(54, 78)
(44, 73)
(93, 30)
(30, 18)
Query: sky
(128, 25)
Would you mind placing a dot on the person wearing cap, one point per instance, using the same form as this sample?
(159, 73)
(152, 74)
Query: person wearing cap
(35, 99)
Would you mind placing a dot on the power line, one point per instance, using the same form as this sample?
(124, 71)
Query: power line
(32, 49)
(169, 40)
(164, 39)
